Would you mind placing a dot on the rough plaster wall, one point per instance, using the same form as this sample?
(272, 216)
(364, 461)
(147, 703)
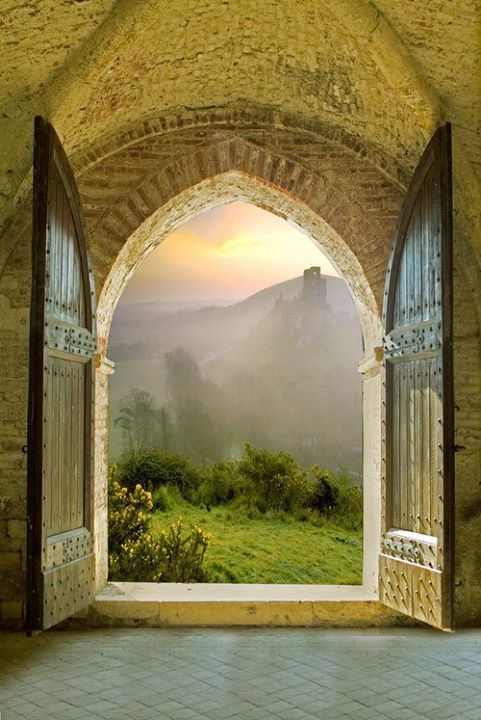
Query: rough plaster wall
(444, 39)
(38, 39)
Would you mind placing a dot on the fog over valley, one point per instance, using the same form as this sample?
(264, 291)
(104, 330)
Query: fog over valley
(277, 369)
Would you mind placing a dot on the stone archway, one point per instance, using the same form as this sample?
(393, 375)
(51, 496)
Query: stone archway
(212, 192)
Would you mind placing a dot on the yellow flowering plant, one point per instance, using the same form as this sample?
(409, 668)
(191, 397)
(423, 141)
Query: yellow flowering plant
(135, 555)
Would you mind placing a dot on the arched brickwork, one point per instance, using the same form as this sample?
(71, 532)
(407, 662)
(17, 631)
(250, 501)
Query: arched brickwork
(236, 170)
(351, 196)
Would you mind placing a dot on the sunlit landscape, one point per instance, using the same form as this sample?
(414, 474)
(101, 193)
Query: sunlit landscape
(236, 404)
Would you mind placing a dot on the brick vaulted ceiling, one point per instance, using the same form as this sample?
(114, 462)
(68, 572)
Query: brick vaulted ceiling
(383, 73)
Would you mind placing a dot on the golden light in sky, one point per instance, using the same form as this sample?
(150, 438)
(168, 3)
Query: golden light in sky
(226, 254)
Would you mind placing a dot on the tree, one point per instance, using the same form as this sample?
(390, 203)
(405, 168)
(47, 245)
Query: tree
(198, 406)
(144, 426)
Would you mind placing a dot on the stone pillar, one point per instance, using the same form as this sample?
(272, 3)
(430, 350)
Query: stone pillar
(104, 368)
(370, 369)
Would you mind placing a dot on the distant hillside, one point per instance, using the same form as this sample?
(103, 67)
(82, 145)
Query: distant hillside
(147, 330)
(338, 295)
(273, 369)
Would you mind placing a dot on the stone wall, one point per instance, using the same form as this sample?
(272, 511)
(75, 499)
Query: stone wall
(14, 324)
(467, 394)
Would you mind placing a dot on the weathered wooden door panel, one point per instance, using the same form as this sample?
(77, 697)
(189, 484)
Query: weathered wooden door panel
(62, 343)
(416, 559)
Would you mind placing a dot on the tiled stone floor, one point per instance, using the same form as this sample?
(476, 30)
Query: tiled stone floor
(206, 674)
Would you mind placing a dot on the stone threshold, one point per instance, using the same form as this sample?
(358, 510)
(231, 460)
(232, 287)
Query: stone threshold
(128, 604)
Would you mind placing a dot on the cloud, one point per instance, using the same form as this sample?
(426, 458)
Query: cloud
(229, 252)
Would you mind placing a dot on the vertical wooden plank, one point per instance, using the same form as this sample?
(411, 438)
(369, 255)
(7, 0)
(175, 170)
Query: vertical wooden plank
(396, 452)
(52, 209)
(399, 440)
(425, 501)
(55, 429)
(52, 457)
(417, 259)
(83, 468)
(78, 448)
(419, 442)
(64, 269)
(436, 449)
(72, 447)
(411, 474)
(409, 245)
(66, 420)
(69, 274)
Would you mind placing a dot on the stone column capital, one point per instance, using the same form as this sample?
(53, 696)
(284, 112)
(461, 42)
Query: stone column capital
(370, 366)
(104, 365)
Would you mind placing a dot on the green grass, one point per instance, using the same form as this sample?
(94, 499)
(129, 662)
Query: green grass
(271, 550)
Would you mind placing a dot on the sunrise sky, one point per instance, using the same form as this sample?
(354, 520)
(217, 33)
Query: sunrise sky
(224, 254)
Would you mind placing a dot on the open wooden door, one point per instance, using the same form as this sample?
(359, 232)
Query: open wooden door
(417, 543)
(62, 342)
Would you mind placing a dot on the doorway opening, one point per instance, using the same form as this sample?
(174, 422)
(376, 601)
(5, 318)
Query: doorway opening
(236, 403)
(168, 219)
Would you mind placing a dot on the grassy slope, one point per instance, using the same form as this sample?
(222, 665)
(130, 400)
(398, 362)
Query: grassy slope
(272, 550)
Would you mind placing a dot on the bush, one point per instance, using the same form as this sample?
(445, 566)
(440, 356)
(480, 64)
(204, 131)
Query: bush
(348, 512)
(166, 497)
(275, 480)
(221, 483)
(325, 492)
(137, 560)
(136, 556)
(337, 499)
(128, 518)
(183, 555)
(153, 468)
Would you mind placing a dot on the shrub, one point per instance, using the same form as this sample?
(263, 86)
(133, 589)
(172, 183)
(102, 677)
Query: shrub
(348, 512)
(135, 555)
(325, 492)
(128, 518)
(166, 497)
(137, 560)
(153, 468)
(337, 499)
(275, 480)
(221, 483)
(183, 555)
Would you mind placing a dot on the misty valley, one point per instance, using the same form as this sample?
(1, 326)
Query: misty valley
(236, 437)
(276, 371)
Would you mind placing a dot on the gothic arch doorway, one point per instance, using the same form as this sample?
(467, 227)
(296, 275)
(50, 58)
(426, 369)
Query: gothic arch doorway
(223, 189)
